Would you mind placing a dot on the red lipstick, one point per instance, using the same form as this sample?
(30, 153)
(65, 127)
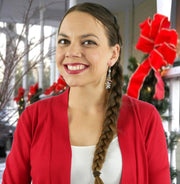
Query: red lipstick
(75, 68)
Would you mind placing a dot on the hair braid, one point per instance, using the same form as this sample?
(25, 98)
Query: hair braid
(114, 96)
(109, 127)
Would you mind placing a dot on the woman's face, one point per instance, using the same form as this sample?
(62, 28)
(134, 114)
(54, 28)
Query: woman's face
(83, 53)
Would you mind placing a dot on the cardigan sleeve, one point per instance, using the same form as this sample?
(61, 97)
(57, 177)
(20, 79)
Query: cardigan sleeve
(156, 147)
(17, 163)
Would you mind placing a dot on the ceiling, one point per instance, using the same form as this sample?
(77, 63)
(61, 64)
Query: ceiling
(15, 10)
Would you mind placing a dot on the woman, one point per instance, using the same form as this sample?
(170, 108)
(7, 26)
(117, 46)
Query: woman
(90, 133)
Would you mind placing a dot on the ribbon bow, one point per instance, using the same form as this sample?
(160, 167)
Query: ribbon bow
(159, 42)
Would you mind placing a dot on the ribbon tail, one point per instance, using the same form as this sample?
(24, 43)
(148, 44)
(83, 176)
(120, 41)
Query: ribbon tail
(137, 79)
(159, 87)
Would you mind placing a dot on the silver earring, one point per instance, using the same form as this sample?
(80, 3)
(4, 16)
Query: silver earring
(108, 80)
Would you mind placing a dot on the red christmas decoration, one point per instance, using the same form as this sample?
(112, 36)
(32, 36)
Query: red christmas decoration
(56, 87)
(20, 95)
(160, 43)
(32, 90)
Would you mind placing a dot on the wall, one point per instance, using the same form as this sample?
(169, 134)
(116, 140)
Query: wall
(144, 10)
(129, 21)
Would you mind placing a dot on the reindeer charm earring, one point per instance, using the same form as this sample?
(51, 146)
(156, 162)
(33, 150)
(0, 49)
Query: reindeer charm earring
(108, 80)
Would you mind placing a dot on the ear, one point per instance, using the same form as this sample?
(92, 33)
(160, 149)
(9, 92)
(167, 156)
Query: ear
(114, 55)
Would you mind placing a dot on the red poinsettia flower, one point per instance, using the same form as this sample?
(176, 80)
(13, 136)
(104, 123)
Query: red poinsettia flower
(20, 95)
(56, 87)
(32, 90)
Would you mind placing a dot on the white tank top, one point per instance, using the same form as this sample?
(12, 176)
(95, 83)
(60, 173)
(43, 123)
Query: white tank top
(82, 158)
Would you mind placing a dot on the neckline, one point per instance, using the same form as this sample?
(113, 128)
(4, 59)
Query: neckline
(91, 146)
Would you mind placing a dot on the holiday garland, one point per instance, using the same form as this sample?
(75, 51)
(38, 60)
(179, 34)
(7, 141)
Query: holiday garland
(20, 100)
(57, 87)
(34, 93)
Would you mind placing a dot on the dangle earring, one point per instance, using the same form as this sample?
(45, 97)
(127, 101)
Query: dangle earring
(108, 80)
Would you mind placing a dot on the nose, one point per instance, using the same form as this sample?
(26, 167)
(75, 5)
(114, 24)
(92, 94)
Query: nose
(73, 51)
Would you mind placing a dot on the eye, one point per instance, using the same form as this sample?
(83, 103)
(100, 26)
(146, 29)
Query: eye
(63, 42)
(89, 42)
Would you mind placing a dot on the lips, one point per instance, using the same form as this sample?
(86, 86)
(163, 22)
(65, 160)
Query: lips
(75, 68)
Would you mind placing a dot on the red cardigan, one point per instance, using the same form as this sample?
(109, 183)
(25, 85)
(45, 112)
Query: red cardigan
(41, 149)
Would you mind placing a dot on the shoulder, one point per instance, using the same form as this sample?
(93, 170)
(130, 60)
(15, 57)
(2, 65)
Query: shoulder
(46, 108)
(44, 111)
(136, 112)
(50, 103)
(135, 105)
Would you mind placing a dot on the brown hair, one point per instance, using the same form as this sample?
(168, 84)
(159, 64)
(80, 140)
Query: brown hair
(114, 94)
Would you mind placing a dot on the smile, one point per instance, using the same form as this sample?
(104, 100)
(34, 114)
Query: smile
(75, 68)
(78, 67)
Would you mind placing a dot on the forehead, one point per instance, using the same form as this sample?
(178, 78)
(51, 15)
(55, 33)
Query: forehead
(81, 23)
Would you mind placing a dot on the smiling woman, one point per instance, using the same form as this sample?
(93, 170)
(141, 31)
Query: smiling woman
(91, 133)
(87, 48)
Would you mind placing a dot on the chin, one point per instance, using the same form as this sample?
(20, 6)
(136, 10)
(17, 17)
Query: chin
(72, 82)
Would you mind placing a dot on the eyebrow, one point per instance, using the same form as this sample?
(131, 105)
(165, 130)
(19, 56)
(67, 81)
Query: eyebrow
(63, 35)
(82, 36)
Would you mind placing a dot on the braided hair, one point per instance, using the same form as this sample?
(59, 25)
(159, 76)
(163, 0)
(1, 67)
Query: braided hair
(114, 94)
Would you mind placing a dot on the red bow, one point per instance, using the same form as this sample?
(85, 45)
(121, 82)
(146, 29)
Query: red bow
(159, 42)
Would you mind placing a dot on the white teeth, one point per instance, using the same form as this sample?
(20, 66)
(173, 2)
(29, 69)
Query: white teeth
(70, 67)
(77, 67)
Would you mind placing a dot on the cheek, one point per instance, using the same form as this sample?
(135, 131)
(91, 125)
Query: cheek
(93, 56)
(99, 59)
(59, 57)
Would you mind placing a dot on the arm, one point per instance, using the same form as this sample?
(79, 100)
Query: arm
(158, 164)
(18, 161)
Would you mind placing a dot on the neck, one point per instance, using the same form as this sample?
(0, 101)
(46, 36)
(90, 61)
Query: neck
(87, 98)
